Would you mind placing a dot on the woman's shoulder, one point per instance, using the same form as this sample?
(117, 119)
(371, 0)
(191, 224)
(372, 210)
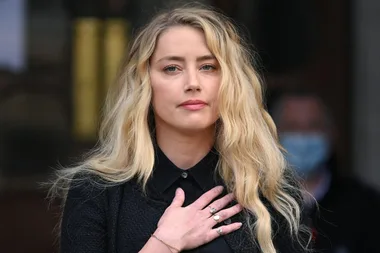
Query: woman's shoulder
(91, 183)
(88, 186)
(90, 195)
(87, 183)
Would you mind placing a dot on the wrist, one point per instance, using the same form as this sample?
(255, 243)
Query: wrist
(155, 246)
(173, 243)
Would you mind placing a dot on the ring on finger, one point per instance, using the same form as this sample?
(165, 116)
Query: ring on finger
(212, 210)
(216, 217)
(219, 230)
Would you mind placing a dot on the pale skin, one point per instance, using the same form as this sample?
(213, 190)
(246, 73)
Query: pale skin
(182, 68)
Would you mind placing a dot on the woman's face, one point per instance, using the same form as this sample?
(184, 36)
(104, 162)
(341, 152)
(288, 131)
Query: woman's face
(185, 79)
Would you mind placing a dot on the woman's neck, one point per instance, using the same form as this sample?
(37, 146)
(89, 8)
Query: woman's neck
(185, 150)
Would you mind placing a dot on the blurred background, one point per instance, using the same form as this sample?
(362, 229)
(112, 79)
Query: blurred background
(58, 58)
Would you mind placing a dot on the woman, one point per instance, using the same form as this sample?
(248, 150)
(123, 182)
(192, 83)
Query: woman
(188, 159)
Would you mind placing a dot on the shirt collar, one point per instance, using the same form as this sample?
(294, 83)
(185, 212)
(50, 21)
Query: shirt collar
(205, 173)
(165, 173)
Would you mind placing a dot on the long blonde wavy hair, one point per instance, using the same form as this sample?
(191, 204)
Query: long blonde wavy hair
(251, 161)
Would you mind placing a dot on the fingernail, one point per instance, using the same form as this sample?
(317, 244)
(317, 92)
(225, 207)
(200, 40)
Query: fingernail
(220, 188)
(240, 224)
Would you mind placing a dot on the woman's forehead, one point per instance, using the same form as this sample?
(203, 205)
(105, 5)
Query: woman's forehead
(181, 41)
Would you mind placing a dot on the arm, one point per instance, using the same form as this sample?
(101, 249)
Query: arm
(83, 227)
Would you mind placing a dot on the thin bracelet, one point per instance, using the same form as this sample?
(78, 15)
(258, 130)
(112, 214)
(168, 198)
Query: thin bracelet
(167, 245)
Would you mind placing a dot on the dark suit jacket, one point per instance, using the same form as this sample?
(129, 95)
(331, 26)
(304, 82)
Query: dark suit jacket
(121, 219)
(348, 218)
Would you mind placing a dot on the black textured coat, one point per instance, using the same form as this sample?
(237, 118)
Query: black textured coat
(94, 217)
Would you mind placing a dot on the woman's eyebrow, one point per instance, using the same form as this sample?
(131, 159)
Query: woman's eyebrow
(182, 59)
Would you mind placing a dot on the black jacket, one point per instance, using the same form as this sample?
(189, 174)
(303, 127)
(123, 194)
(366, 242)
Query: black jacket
(348, 219)
(93, 221)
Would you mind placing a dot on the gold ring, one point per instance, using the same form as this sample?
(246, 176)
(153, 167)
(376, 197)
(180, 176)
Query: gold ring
(216, 217)
(212, 210)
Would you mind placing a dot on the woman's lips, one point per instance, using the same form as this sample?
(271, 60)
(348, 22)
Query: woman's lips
(193, 105)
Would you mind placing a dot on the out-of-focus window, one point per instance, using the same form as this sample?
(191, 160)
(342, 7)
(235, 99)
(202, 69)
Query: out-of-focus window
(12, 38)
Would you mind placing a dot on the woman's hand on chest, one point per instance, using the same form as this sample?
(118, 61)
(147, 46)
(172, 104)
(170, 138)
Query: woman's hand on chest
(194, 225)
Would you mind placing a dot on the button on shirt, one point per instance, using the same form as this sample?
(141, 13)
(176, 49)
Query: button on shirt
(194, 181)
(184, 174)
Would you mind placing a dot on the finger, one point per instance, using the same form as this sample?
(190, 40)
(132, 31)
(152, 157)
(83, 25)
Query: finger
(223, 230)
(207, 197)
(224, 215)
(219, 204)
(179, 198)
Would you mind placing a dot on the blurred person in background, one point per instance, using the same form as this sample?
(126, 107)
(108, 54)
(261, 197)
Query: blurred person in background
(179, 128)
(348, 216)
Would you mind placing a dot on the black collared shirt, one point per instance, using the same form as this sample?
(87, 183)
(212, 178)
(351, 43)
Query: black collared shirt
(194, 181)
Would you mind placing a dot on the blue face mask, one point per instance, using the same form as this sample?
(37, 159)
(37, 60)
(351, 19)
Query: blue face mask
(306, 151)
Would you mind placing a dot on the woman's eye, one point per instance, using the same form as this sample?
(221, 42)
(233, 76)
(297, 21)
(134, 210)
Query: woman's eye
(208, 67)
(170, 69)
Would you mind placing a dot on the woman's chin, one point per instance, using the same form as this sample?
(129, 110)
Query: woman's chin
(196, 127)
